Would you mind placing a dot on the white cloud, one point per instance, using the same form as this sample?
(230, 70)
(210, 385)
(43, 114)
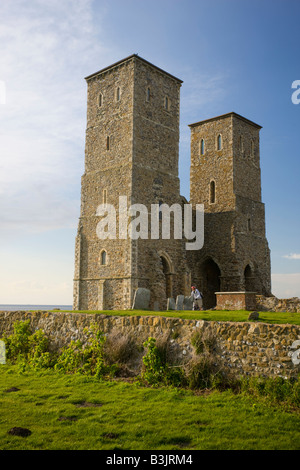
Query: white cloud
(292, 256)
(285, 286)
(47, 50)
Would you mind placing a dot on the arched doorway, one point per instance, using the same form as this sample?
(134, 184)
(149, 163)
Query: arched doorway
(249, 279)
(166, 268)
(212, 283)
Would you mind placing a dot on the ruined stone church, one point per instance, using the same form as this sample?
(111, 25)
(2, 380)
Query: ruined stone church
(132, 149)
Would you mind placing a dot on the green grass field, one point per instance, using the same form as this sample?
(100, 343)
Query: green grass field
(70, 412)
(209, 315)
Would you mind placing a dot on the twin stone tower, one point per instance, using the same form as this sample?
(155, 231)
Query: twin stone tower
(132, 152)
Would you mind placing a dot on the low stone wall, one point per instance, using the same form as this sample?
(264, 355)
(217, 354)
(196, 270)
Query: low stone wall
(247, 347)
(273, 304)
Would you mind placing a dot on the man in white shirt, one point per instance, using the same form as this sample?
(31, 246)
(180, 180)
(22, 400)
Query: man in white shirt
(197, 299)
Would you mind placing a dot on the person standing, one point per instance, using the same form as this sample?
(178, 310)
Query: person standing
(197, 299)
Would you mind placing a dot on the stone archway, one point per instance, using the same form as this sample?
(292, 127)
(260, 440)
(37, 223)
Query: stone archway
(166, 265)
(211, 283)
(249, 279)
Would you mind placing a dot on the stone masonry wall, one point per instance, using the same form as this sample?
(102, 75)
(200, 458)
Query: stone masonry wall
(225, 177)
(250, 348)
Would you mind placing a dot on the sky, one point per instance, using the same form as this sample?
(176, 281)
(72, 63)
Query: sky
(232, 55)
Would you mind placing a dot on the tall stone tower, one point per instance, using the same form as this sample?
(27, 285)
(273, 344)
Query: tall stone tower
(225, 177)
(132, 141)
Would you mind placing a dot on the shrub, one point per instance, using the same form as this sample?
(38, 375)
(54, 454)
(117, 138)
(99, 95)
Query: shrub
(119, 348)
(27, 348)
(156, 370)
(204, 341)
(205, 370)
(199, 372)
(154, 364)
(274, 389)
(88, 358)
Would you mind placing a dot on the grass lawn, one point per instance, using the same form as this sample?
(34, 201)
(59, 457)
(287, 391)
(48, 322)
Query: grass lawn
(209, 315)
(69, 412)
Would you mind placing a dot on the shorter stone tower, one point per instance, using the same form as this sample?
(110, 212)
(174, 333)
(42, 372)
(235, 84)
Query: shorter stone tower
(225, 177)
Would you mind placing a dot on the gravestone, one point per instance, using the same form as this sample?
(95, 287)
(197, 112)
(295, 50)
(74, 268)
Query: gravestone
(171, 304)
(179, 302)
(188, 303)
(141, 299)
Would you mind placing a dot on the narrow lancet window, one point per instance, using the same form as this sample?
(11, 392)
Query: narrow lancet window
(212, 191)
(202, 147)
(103, 258)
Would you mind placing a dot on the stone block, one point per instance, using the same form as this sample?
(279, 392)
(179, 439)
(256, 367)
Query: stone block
(141, 299)
(253, 316)
(171, 304)
(188, 303)
(179, 302)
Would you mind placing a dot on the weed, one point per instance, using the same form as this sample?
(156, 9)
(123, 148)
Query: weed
(119, 348)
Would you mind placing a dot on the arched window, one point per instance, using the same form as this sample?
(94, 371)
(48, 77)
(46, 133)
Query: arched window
(249, 276)
(167, 269)
(212, 192)
(148, 95)
(107, 143)
(118, 94)
(219, 142)
(103, 258)
(100, 100)
(202, 147)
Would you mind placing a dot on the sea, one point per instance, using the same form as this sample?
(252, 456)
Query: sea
(14, 308)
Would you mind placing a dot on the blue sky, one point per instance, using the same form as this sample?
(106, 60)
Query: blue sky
(233, 55)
